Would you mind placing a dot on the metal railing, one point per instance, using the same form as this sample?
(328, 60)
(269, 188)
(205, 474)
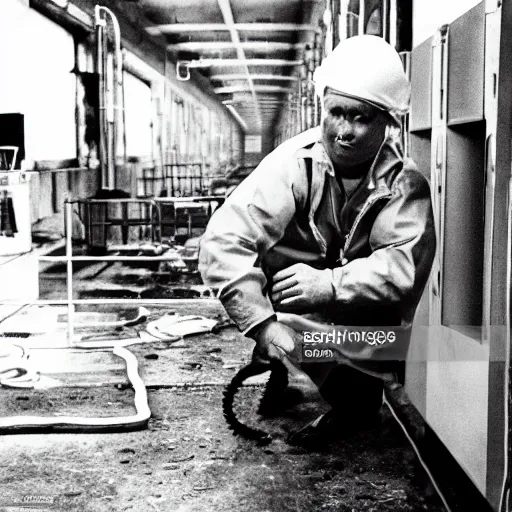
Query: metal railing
(175, 180)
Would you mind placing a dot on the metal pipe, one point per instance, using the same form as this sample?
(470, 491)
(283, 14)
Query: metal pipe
(317, 61)
(254, 76)
(361, 21)
(385, 20)
(393, 22)
(111, 99)
(206, 63)
(230, 89)
(68, 207)
(215, 46)
(102, 151)
(178, 28)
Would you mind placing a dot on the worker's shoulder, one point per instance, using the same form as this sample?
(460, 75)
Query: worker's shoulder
(409, 177)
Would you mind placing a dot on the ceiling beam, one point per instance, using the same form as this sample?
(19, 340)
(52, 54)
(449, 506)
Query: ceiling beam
(227, 15)
(206, 63)
(213, 46)
(265, 105)
(268, 100)
(254, 76)
(237, 116)
(262, 101)
(178, 28)
(258, 88)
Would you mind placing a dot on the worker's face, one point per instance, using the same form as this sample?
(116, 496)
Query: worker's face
(353, 131)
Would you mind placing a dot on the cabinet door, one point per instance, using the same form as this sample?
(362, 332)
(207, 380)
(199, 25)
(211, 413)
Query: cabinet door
(466, 67)
(421, 82)
(463, 228)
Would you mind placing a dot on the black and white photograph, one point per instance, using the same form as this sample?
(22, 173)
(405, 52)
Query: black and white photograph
(255, 255)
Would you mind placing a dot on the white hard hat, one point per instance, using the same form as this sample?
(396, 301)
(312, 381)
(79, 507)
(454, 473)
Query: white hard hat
(367, 68)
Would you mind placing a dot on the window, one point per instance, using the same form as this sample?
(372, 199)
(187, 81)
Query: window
(138, 109)
(36, 80)
(374, 23)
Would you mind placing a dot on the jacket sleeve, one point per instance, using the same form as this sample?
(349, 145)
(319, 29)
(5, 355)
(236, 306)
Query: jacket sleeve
(251, 221)
(402, 241)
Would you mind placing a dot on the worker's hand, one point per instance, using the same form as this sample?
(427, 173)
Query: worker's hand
(301, 287)
(274, 341)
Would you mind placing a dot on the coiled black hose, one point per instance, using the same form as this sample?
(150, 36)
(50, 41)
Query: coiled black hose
(278, 380)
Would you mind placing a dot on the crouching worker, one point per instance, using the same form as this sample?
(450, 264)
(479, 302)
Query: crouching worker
(329, 243)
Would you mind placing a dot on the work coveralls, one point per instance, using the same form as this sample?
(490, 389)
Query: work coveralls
(379, 243)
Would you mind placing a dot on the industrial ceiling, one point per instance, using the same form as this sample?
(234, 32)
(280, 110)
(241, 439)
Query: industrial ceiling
(250, 50)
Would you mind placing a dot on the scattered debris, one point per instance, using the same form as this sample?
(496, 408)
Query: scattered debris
(94, 319)
(179, 344)
(183, 459)
(72, 494)
(191, 365)
(126, 450)
(179, 326)
(170, 466)
(201, 489)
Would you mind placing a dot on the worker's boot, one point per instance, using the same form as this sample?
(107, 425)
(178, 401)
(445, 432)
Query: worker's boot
(355, 399)
(331, 427)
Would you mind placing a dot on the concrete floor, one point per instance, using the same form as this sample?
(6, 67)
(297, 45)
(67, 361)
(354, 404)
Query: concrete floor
(187, 459)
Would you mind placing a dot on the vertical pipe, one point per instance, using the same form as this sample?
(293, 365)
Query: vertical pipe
(309, 56)
(111, 118)
(101, 86)
(111, 88)
(406, 60)
(117, 94)
(298, 106)
(393, 28)
(318, 60)
(68, 209)
(343, 24)
(385, 21)
(361, 20)
(123, 111)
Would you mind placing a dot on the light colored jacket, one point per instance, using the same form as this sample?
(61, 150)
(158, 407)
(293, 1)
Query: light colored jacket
(380, 242)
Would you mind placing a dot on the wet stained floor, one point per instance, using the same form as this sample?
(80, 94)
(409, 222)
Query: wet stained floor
(187, 459)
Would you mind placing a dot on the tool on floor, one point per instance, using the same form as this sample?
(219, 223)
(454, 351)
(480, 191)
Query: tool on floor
(179, 326)
(278, 377)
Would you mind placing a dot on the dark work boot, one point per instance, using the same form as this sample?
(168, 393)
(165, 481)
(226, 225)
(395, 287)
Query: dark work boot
(355, 399)
(329, 428)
